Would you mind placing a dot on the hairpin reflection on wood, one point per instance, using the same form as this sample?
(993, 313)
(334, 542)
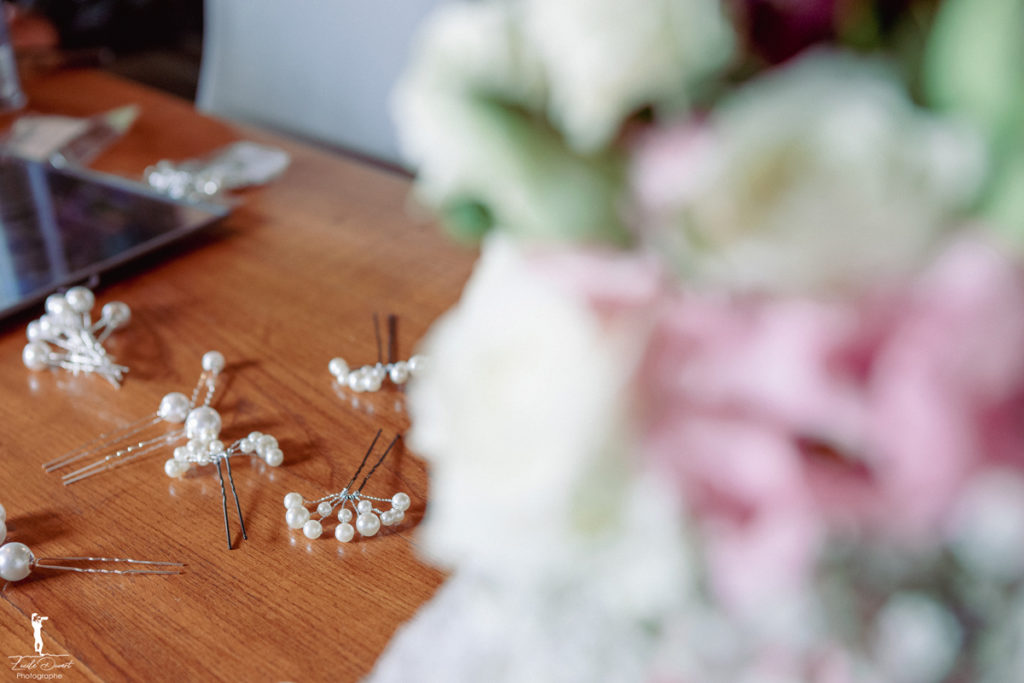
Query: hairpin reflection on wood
(175, 408)
(17, 561)
(371, 377)
(367, 517)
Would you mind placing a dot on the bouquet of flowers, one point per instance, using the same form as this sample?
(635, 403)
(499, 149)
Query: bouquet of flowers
(736, 392)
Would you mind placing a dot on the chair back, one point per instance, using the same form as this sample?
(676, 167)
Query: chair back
(319, 69)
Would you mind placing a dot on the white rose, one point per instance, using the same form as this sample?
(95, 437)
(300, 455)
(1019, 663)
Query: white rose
(474, 630)
(820, 175)
(522, 414)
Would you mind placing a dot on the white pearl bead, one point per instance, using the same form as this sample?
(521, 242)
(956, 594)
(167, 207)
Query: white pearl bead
(33, 332)
(80, 299)
(34, 355)
(387, 518)
(181, 454)
(174, 407)
(344, 532)
(345, 515)
(416, 364)
(3, 514)
(398, 516)
(57, 305)
(201, 422)
(400, 501)
(293, 500)
(368, 524)
(216, 446)
(254, 437)
(312, 529)
(116, 313)
(213, 361)
(15, 561)
(264, 445)
(364, 506)
(355, 380)
(324, 509)
(275, 457)
(296, 517)
(46, 326)
(339, 368)
(175, 468)
(399, 372)
(372, 382)
(246, 446)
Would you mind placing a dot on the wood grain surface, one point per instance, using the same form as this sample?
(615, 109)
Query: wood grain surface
(288, 281)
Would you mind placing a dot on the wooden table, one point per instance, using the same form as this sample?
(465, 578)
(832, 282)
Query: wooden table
(288, 281)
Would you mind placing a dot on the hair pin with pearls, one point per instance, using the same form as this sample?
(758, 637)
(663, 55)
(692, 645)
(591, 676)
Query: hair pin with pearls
(368, 519)
(17, 561)
(65, 337)
(136, 439)
(204, 447)
(371, 377)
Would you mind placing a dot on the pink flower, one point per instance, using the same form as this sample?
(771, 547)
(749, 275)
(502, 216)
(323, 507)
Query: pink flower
(787, 421)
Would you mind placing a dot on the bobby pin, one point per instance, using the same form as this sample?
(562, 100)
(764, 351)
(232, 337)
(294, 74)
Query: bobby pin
(174, 409)
(371, 377)
(368, 518)
(204, 448)
(17, 561)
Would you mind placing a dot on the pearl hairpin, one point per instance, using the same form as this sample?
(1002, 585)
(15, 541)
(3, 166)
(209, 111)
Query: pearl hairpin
(371, 377)
(368, 519)
(17, 561)
(204, 447)
(174, 408)
(65, 336)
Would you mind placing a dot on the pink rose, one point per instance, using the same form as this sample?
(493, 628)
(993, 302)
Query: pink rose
(786, 420)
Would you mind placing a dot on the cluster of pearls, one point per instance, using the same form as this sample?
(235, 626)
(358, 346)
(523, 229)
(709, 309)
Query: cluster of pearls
(190, 180)
(204, 447)
(368, 519)
(371, 377)
(65, 336)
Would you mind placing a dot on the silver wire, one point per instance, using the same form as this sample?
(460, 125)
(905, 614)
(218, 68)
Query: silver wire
(206, 379)
(108, 462)
(40, 563)
(102, 441)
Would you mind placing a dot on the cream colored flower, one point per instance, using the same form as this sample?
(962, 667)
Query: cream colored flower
(604, 59)
(508, 107)
(467, 117)
(822, 175)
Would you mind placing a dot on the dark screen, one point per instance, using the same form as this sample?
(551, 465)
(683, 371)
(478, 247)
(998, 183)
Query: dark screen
(59, 226)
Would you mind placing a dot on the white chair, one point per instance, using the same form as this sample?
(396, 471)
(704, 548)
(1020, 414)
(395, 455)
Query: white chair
(319, 69)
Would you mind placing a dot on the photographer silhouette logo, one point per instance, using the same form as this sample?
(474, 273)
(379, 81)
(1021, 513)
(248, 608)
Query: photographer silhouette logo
(42, 666)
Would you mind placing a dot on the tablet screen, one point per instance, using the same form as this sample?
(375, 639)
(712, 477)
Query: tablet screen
(60, 226)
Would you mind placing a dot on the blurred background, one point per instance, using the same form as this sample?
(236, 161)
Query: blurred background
(156, 42)
(321, 71)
